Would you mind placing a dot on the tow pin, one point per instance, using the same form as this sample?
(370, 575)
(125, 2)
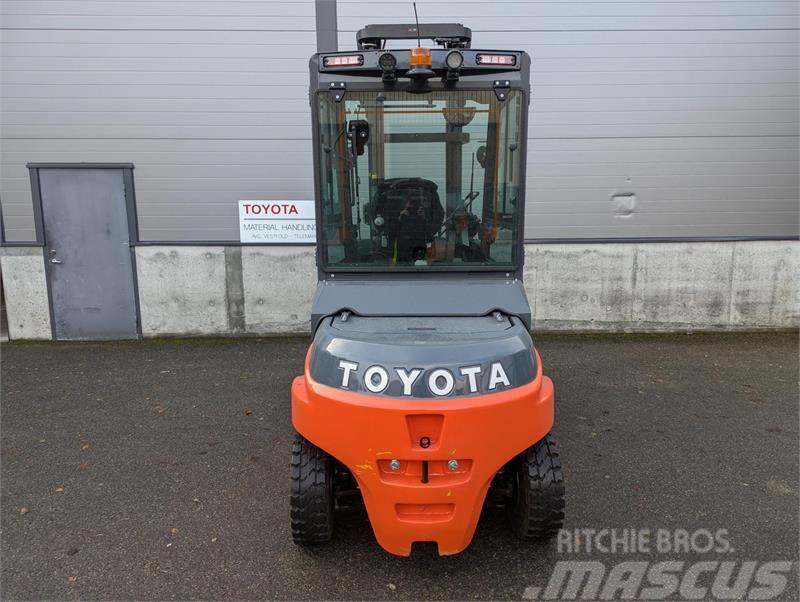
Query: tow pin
(425, 442)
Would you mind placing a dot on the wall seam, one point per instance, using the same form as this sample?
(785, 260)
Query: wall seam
(731, 287)
(234, 290)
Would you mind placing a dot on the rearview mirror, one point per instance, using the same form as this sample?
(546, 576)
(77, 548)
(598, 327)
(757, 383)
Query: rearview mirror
(358, 132)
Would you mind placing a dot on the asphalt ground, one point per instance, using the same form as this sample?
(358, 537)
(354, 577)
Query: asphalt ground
(159, 469)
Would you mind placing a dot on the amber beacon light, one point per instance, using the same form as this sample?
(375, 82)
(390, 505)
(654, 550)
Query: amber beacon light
(420, 57)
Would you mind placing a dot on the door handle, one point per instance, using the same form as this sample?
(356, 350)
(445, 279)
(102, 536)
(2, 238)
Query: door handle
(54, 258)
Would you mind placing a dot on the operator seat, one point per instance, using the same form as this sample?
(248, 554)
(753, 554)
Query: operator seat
(411, 215)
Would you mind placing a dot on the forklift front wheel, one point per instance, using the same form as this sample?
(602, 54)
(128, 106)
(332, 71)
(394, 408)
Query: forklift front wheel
(536, 511)
(312, 497)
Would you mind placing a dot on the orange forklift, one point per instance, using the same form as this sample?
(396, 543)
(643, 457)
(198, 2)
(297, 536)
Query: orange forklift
(422, 393)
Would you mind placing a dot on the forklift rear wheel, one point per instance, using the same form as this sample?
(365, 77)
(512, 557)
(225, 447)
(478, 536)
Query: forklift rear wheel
(312, 498)
(536, 511)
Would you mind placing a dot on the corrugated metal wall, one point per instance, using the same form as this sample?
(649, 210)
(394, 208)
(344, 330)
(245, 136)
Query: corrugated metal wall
(690, 105)
(208, 99)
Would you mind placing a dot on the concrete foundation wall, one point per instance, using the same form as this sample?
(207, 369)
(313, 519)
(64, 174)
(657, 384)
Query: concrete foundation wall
(664, 286)
(217, 290)
(611, 287)
(186, 290)
(279, 285)
(25, 288)
(182, 290)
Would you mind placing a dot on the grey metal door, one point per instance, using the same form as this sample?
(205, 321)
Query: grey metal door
(87, 253)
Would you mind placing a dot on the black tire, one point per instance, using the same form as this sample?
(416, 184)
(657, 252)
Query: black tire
(536, 511)
(311, 498)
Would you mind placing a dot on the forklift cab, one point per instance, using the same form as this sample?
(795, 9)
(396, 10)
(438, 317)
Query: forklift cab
(422, 392)
(419, 155)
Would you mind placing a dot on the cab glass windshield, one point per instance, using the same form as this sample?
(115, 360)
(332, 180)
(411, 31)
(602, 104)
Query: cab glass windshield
(419, 181)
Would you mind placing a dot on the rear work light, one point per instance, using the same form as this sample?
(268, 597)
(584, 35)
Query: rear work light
(496, 59)
(344, 60)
